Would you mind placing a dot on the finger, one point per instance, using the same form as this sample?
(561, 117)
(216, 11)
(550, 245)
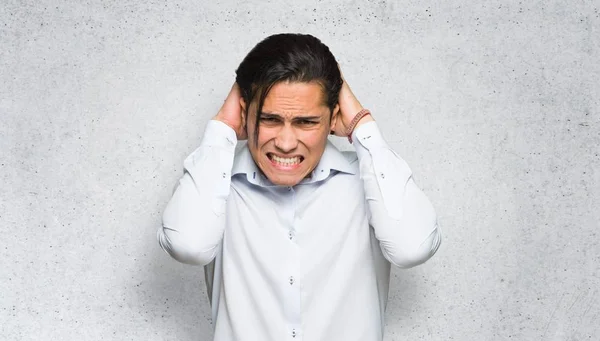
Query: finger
(232, 91)
(235, 88)
(233, 98)
(341, 73)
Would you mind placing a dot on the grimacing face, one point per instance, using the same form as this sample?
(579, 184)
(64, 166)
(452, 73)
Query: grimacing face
(295, 122)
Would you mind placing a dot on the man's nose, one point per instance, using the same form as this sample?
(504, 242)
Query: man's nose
(286, 140)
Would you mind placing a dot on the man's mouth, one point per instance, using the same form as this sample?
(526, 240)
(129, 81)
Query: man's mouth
(285, 161)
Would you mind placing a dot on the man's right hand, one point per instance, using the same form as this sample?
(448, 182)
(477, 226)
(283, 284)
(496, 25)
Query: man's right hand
(231, 113)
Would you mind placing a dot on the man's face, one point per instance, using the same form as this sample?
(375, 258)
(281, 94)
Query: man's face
(294, 125)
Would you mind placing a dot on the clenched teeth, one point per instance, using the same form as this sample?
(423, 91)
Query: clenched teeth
(285, 161)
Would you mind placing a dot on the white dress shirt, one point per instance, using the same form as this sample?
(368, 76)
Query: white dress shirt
(309, 262)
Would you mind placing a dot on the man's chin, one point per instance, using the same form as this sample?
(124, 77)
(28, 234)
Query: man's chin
(286, 183)
(286, 180)
(285, 177)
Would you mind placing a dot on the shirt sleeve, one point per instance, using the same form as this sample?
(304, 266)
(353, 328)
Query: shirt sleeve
(403, 218)
(194, 218)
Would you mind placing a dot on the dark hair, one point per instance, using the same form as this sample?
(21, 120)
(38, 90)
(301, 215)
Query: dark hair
(287, 57)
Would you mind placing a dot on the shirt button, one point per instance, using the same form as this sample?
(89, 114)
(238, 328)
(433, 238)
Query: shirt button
(382, 175)
(293, 332)
(289, 188)
(291, 234)
(291, 280)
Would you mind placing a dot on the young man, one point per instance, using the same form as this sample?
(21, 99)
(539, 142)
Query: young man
(297, 236)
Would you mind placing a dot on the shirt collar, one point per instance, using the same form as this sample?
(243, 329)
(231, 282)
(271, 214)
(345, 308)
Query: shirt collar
(331, 160)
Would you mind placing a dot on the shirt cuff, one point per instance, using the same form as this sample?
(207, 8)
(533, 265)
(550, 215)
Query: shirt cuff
(216, 135)
(367, 137)
(219, 134)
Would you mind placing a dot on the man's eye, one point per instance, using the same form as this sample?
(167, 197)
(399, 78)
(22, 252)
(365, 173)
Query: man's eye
(269, 119)
(306, 122)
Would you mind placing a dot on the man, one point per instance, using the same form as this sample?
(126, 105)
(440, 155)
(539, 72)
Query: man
(298, 236)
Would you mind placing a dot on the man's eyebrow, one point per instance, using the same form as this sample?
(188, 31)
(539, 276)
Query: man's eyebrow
(269, 115)
(275, 115)
(308, 118)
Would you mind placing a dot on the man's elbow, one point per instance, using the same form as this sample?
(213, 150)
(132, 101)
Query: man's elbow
(185, 250)
(409, 257)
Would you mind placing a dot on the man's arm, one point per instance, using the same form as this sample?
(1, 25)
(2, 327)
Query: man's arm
(402, 217)
(194, 218)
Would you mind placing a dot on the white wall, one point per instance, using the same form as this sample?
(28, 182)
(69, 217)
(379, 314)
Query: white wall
(495, 106)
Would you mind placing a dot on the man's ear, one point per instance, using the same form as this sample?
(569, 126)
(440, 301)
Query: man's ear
(335, 114)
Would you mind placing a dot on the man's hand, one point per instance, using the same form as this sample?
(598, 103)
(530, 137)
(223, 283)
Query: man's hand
(349, 107)
(231, 113)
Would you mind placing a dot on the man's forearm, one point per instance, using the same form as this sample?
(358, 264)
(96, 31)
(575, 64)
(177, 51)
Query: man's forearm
(402, 216)
(194, 218)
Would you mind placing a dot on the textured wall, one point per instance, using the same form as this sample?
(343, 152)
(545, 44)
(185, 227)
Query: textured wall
(495, 106)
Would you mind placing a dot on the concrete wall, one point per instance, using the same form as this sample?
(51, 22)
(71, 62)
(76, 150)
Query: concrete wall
(494, 105)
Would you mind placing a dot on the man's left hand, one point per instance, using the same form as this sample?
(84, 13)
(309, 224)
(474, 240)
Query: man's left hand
(349, 107)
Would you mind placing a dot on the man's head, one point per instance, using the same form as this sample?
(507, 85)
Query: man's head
(290, 84)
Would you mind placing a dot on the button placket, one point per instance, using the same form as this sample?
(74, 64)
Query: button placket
(291, 233)
(292, 284)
